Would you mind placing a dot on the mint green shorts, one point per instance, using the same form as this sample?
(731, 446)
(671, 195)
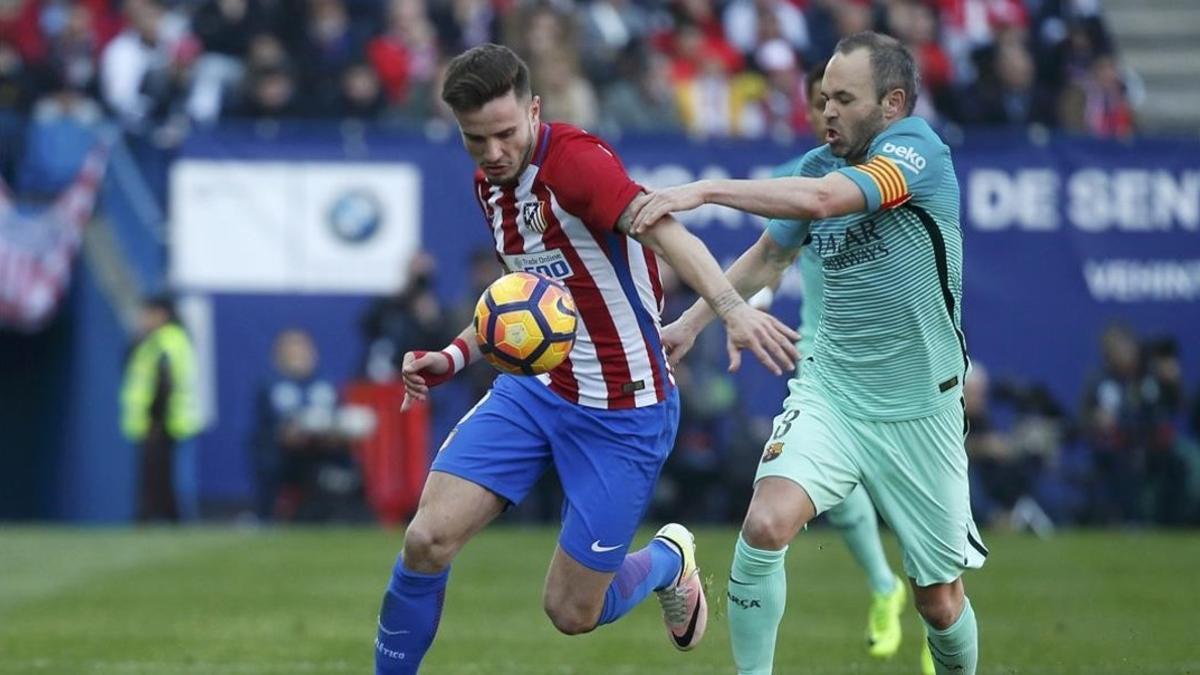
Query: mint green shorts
(915, 472)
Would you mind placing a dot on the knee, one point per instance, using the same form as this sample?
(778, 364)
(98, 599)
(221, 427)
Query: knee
(767, 529)
(940, 605)
(571, 618)
(427, 550)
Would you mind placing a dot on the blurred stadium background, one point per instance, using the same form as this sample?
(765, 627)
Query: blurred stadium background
(280, 175)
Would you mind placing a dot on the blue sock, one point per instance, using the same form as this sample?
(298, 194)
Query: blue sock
(408, 619)
(649, 569)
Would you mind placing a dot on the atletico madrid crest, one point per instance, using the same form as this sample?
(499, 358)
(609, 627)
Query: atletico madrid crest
(534, 215)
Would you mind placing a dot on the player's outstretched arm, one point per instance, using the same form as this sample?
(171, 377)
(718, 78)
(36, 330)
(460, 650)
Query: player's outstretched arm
(768, 338)
(788, 198)
(760, 266)
(422, 370)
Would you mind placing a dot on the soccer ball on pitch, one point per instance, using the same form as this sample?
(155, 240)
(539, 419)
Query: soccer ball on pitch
(525, 323)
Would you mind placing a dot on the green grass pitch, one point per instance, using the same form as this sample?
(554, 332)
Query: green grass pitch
(240, 602)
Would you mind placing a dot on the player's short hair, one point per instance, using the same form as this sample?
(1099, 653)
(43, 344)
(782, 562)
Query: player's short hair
(814, 75)
(892, 65)
(483, 74)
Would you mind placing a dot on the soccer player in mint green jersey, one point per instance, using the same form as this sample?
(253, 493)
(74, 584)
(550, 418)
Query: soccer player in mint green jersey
(878, 400)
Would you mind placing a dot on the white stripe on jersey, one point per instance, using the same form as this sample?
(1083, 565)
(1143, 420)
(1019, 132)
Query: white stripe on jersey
(619, 307)
(641, 279)
(495, 193)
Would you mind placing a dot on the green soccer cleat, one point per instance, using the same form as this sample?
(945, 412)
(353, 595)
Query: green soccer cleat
(883, 622)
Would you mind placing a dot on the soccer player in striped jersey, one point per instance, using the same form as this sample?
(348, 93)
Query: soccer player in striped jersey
(556, 200)
(854, 518)
(878, 401)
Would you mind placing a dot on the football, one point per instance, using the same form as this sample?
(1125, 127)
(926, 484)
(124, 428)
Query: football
(525, 323)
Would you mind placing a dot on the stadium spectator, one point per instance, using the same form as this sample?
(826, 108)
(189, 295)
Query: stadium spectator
(566, 95)
(402, 322)
(159, 413)
(784, 104)
(302, 466)
(750, 23)
(643, 100)
(1163, 411)
(405, 55)
(271, 93)
(610, 29)
(1099, 103)
(143, 70)
(1008, 94)
(462, 24)
(331, 43)
(361, 93)
(15, 92)
(1110, 423)
(225, 28)
(712, 102)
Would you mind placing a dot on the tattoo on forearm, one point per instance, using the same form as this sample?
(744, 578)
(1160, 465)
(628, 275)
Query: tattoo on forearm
(726, 302)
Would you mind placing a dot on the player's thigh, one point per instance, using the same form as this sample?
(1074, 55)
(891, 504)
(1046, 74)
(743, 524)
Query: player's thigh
(916, 473)
(502, 443)
(811, 445)
(608, 462)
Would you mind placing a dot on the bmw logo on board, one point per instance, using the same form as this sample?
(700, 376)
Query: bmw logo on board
(356, 216)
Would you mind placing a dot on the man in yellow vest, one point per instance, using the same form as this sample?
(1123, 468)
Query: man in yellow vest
(159, 413)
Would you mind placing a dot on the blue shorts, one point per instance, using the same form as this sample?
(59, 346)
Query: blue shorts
(607, 460)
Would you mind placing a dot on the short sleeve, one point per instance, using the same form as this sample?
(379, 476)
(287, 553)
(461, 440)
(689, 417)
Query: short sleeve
(900, 166)
(591, 184)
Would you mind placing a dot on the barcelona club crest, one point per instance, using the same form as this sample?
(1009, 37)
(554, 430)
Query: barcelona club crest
(534, 215)
(773, 450)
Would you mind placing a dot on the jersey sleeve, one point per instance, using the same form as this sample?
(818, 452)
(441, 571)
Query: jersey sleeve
(590, 183)
(901, 166)
(794, 233)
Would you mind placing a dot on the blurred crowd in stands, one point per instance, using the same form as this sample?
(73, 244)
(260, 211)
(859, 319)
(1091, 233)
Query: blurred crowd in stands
(707, 67)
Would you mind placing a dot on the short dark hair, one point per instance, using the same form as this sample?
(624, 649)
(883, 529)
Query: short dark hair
(892, 64)
(162, 302)
(483, 74)
(814, 75)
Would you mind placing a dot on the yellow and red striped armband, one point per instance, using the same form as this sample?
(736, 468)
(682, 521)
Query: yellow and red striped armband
(893, 188)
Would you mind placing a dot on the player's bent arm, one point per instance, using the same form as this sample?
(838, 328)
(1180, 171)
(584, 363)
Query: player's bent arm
(691, 259)
(789, 197)
(760, 266)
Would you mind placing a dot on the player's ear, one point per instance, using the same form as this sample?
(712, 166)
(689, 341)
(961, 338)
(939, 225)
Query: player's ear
(893, 103)
(535, 109)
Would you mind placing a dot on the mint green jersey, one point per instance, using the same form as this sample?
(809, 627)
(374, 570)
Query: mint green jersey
(885, 318)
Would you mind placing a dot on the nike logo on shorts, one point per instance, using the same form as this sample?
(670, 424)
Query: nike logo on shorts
(597, 548)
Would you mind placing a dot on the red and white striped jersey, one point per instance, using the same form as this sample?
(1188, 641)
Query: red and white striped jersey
(559, 220)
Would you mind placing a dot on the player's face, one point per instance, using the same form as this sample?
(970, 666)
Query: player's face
(853, 113)
(499, 136)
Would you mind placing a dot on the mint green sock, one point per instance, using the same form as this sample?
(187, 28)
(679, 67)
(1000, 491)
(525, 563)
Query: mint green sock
(855, 519)
(956, 649)
(757, 594)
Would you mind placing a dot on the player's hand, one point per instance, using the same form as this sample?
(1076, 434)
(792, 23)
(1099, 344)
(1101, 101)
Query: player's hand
(771, 341)
(420, 371)
(668, 200)
(678, 339)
